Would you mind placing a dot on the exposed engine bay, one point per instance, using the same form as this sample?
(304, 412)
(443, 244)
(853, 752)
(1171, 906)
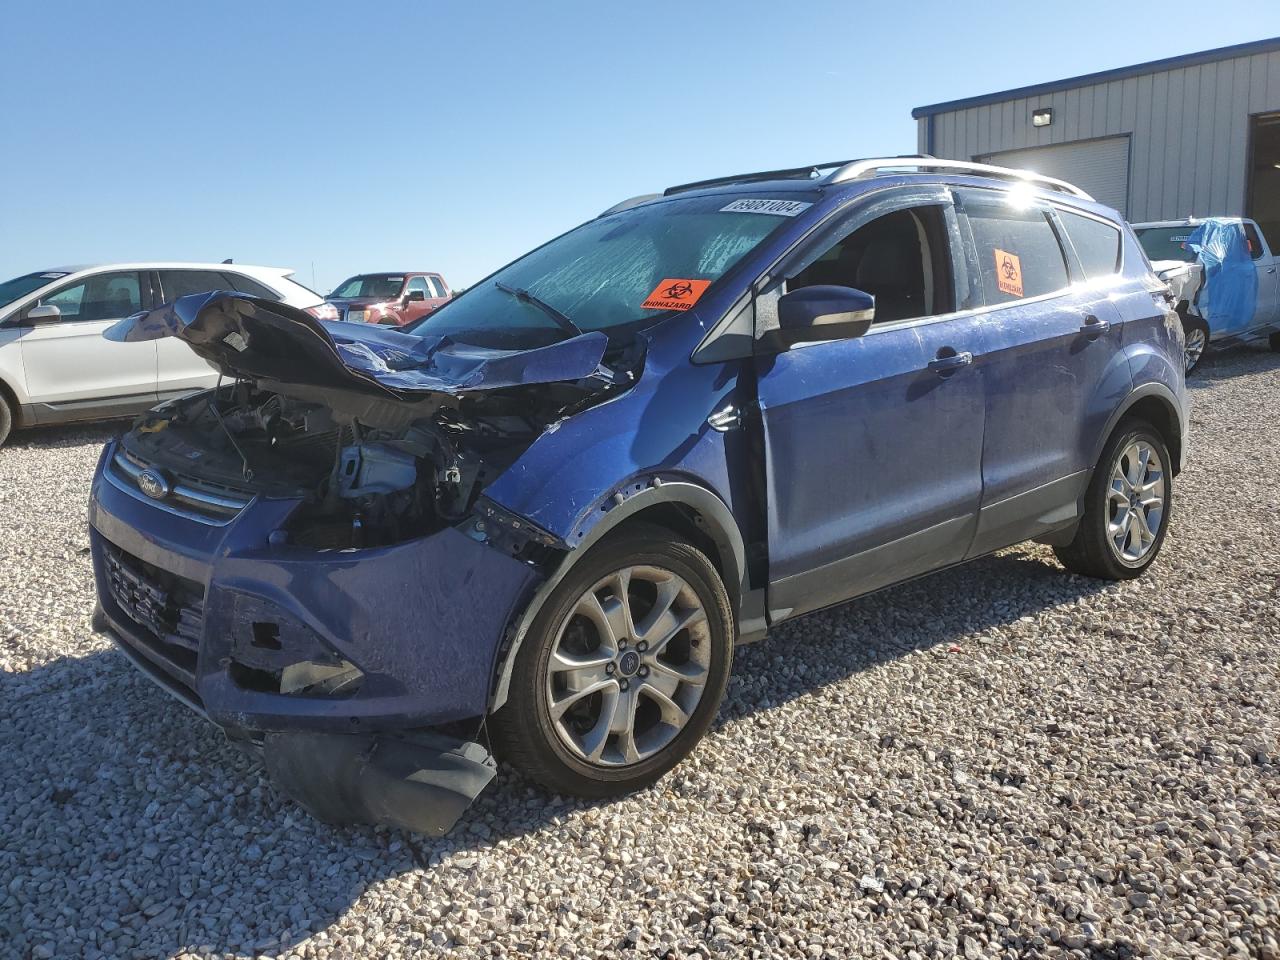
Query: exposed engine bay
(371, 471)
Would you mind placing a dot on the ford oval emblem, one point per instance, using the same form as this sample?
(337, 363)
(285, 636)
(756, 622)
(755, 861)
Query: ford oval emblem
(153, 484)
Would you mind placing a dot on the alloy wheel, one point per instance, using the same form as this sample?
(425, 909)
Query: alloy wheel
(1194, 347)
(628, 666)
(1135, 502)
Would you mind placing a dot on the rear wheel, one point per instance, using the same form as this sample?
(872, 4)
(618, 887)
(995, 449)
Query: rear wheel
(1196, 333)
(1127, 505)
(6, 420)
(623, 669)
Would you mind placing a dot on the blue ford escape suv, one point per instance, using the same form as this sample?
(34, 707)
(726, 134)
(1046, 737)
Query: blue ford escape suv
(542, 517)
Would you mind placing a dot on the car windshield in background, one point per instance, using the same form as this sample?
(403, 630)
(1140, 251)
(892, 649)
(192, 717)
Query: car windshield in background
(618, 274)
(1167, 243)
(380, 287)
(19, 287)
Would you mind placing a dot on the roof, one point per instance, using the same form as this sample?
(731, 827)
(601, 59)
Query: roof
(168, 265)
(1106, 76)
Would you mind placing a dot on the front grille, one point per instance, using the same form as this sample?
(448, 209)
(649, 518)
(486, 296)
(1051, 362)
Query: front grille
(168, 608)
(187, 497)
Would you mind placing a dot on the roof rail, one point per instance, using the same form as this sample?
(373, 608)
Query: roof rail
(858, 169)
(791, 173)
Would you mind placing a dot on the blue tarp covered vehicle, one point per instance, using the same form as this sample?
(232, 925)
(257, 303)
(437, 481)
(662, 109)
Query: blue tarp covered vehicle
(1228, 299)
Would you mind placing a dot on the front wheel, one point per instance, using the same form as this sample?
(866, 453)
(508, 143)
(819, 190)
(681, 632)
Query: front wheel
(1126, 513)
(1196, 334)
(623, 669)
(6, 420)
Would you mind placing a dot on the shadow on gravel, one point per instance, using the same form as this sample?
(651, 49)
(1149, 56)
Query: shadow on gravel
(66, 435)
(128, 820)
(1231, 363)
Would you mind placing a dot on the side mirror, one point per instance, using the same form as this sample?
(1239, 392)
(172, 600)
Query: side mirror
(415, 296)
(822, 312)
(42, 313)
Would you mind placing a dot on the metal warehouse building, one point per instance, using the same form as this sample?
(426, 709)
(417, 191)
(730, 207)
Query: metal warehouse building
(1192, 135)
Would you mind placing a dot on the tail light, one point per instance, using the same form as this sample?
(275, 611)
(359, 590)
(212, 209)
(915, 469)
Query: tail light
(324, 311)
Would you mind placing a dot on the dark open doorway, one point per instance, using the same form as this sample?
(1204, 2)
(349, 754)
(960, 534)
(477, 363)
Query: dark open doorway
(1262, 196)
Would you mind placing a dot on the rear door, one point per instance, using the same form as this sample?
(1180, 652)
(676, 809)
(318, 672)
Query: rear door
(179, 369)
(873, 445)
(1268, 311)
(1054, 370)
(72, 368)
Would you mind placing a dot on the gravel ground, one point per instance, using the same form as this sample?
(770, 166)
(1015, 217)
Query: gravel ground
(1000, 760)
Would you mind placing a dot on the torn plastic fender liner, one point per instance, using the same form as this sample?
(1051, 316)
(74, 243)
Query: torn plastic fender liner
(253, 338)
(422, 781)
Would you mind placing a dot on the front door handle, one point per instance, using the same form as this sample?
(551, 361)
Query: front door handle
(948, 361)
(1094, 328)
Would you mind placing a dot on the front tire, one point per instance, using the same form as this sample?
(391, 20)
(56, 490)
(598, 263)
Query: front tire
(1127, 507)
(1196, 336)
(6, 420)
(623, 669)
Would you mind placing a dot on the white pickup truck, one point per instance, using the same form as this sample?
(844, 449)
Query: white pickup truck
(1175, 263)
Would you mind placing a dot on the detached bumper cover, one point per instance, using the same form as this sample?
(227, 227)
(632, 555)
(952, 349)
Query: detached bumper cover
(421, 782)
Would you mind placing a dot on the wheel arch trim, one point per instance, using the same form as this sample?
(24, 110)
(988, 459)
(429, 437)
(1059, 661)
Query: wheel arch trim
(720, 526)
(1174, 409)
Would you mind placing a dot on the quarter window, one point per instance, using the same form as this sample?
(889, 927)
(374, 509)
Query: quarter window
(1097, 244)
(1255, 243)
(1018, 252)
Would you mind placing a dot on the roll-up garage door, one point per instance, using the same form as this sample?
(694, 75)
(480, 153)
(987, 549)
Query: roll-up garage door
(1099, 167)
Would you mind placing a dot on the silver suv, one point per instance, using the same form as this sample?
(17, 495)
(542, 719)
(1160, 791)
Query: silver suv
(55, 365)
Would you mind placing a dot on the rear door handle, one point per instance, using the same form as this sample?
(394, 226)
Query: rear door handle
(1094, 328)
(945, 366)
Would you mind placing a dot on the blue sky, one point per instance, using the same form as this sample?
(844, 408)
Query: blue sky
(455, 136)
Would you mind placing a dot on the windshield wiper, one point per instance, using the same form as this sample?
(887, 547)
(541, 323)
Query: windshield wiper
(524, 296)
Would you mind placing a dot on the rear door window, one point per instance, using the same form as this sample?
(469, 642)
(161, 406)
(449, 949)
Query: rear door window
(182, 283)
(1097, 244)
(1018, 251)
(242, 284)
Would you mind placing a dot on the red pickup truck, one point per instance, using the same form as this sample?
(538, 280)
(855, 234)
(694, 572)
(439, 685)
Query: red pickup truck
(391, 298)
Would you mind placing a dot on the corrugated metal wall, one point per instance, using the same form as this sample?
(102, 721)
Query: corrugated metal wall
(1189, 128)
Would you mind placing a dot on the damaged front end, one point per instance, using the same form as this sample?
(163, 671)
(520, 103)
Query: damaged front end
(306, 555)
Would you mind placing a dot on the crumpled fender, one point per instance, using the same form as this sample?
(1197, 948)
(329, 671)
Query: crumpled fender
(250, 337)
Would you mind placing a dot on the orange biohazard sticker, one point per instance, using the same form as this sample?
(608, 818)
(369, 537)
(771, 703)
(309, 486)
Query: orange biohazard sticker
(1008, 273)
(675, 294)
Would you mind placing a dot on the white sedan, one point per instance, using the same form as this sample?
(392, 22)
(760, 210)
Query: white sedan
(55, 365)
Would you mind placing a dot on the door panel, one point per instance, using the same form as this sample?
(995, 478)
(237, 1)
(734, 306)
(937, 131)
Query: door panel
(178, 368)
(70, 361)
(873, 461)
(1054, 369)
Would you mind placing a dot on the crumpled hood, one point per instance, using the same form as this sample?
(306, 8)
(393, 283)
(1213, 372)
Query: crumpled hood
(253, 338)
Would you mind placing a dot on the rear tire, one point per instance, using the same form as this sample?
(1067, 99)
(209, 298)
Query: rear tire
(606, 698)
(6, 420)
(1274, 340)
(1127, 507)
(1196, 334)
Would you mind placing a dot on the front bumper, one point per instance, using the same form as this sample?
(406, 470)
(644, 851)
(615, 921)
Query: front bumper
(212, 611)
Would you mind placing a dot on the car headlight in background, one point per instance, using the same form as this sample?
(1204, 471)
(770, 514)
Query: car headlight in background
(324, 311)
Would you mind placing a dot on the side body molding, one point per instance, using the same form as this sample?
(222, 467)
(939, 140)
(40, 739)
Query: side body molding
(720, 526)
